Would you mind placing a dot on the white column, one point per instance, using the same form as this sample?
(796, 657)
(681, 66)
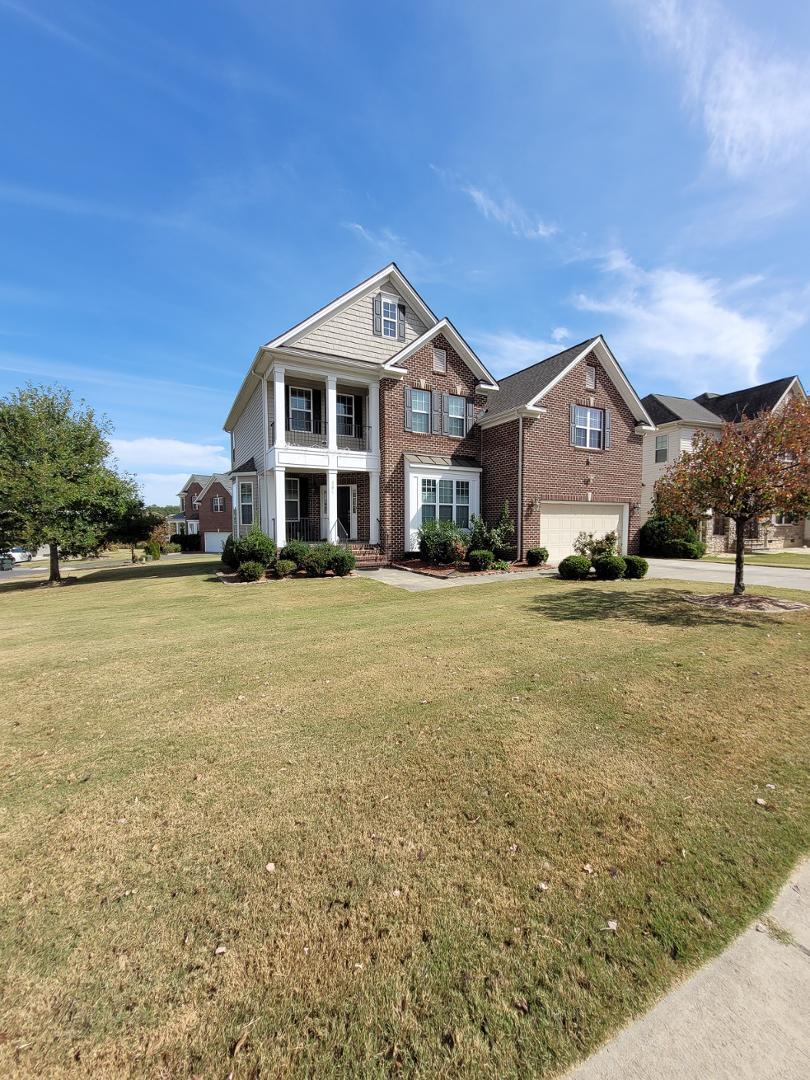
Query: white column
(279, 419)
(374, 507)
(331, 504)
(331, 413)
(374, 418)
(281, 509)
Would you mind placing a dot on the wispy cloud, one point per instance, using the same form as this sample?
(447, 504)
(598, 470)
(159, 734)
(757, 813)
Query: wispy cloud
(394, 248)
(150, 453)
(754, 103)
(510, 214)
(560, 333)
(688, 331)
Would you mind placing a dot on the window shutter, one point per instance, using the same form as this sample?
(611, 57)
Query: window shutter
(470, 417)
(445, 414)
(401, 322)
(607, 429)
(358, 410)
(573, 425)
(408, 410)
(376, 321)
(436, 405)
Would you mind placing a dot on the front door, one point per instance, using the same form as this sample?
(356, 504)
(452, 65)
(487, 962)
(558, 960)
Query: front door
(346, 512)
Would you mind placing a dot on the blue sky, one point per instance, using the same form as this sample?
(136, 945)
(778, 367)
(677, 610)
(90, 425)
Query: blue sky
(181, 181)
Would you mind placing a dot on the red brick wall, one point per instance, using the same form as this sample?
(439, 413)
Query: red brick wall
(191, 494)
(499, 458)
(395, 441)
(211, 521)
(553, 469)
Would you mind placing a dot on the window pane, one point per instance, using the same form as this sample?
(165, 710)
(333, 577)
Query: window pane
(420, 400)
(580, 437)
(456, 405)
(428, 512)
(445, 512)
(291, 510)
(581, 417)
(445, 491)
(463, 517)
(421, 422)
(595, 439)
(596, 418)
(455, 427)
(428, 491)
(463, 491)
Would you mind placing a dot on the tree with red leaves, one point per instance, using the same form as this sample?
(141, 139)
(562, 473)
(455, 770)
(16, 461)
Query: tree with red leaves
(755, 468)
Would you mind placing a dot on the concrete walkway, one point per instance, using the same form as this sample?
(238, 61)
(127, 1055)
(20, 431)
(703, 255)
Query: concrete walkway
(744, 1016)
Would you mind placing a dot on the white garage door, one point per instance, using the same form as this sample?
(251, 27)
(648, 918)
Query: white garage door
(215, 541)
(561, 523)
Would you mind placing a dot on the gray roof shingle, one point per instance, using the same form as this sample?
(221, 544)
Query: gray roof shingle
(664, 408)
(750, 402)
(519, 389)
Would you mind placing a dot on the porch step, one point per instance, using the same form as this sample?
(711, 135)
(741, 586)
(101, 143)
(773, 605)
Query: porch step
(368, 556)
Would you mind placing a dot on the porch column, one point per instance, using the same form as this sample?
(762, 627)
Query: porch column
(279, 408)
(281, 509)
(331, 413)
(331, 505)
(374, 420)
(374, 507)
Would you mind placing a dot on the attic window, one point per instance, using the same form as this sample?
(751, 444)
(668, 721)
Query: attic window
(439, 361)
(389, 317)
(590, 377)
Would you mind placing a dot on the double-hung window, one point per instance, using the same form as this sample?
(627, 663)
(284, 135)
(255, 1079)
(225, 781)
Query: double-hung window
(218, 504)
(389, 317)
(300, 409)
(456, 419)
(463, 504)
(292, 498)
(420, 408)
(446, 500)
(661, 448)
(246, 503)
(589, 427)
(428, 500)
(345, 414)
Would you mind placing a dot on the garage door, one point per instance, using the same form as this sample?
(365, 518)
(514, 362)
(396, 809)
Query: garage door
(215, 541)
(561, 523)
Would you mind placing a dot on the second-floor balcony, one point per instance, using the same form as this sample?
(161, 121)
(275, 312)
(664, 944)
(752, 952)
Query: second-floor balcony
(314, 433)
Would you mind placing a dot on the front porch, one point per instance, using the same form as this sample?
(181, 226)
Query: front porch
(314, 505)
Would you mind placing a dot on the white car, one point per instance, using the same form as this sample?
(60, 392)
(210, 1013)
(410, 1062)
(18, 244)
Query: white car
(20, 554)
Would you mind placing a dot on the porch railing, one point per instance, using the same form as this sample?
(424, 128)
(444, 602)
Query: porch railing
(351, 436)
(314, 434)
(305, 529)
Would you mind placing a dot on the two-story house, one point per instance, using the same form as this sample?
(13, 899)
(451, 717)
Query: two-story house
(678, 419)
(373, 415)
(205, 509)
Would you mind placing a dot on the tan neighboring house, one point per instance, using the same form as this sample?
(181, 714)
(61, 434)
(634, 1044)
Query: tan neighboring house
(676, 422)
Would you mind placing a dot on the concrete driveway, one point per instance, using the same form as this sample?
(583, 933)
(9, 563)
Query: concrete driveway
(779, 577)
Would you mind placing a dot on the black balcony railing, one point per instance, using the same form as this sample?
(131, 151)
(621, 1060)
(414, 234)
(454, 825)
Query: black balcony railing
(310, 432)
(305, 529)
(351, 436)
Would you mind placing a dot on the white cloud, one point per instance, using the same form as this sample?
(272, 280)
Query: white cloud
(510, 214)
(684, 329)
(147, 453)
(754, 104)
(394, 248)
(160, 489)
(506, 352)
(560, 333)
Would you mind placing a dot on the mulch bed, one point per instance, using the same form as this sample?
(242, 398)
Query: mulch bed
(416, 566)
(745, 602)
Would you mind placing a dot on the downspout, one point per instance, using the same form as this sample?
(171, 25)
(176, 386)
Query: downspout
(520, 491)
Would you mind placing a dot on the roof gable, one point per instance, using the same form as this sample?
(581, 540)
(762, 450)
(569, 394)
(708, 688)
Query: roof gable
(667, 409)
(223, 479)
(749, 402)
(195, 478)
(448, 331)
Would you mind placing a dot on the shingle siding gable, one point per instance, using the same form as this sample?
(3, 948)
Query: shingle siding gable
(350, 332)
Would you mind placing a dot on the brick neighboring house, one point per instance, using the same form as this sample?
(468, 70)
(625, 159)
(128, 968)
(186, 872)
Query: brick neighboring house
(373, 415)
(676, 422)
(205, 508)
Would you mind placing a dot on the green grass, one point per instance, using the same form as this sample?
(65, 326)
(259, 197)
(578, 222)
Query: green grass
(773, 558)
(415, 766)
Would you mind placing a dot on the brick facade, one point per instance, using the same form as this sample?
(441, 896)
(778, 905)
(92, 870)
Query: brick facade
(211, 520)
(499, 480)
(192, 491)
(395, 441)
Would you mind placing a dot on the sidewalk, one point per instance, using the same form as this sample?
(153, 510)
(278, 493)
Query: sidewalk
(744, 1016)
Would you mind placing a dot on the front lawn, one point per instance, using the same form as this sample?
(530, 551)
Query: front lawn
(458, 792)
(773, 558)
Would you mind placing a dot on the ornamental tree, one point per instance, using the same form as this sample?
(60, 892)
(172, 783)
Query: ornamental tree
(55, 485)
(755, 468)
(135, 525)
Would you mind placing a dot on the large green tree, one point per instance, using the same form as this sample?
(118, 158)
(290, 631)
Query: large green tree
(56, 487)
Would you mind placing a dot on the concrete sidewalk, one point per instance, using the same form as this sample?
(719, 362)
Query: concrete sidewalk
(744, 1016)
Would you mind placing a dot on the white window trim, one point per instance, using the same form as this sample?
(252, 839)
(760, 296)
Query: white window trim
(245, 486)
(391, 300)
(460, 416)
(308, 394)
(656, 459)
(588, 427)
(421, 412)
(218, 504)
(439, 361)
(414, 473)
(349, 415)
(297, 481)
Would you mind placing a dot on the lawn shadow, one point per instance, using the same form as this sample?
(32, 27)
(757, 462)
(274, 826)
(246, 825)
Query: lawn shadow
(658, 607)
(136, 571)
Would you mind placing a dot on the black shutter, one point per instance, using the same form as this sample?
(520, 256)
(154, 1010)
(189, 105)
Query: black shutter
(470, 417)
(573, 426)
(445, 414)
(376, 320)
(401, 322)
(436, 409)
(408, 410)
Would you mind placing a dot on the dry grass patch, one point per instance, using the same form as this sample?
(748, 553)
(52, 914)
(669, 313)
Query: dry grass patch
(417, 767)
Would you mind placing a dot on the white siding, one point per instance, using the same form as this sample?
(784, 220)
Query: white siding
(350, 332)
(680, 441)
(248, 432)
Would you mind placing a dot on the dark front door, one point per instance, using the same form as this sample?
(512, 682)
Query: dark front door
(344, 513)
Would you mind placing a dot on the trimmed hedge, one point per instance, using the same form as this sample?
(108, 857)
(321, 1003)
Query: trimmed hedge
(665, 536)
(258, 547)
(635, 566)
(295, 551)
(342, 561)
(187, 541)
(537, 556)
(482, 559)
(228, 556)
(285, 567)
(317, 560)
(574, 568)
(609, 567)
(250, 570)
(683, 549)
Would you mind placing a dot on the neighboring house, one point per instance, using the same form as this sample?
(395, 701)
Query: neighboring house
(676, 422)
(373, 415)
(205, 508)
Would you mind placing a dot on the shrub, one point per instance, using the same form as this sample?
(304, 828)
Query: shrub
(187, 541)
(481, 559)
(171, 549)
(609, 567)
(258, 547)
(503, 535)
(480, 535)
(574, 568)
(250, 570)
(501, 564)
(295, 551)
(683, 549)
(317, 560)
(152, 549)
(537, 556)
(592, 547)
(635, 566)
(660, 530)
(441, 542)
(285, 567)
(342, 561)
(229, 556)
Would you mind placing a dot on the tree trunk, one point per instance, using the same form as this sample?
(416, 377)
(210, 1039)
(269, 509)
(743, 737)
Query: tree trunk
(55, 577)
(739, 555)
(132, 551)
